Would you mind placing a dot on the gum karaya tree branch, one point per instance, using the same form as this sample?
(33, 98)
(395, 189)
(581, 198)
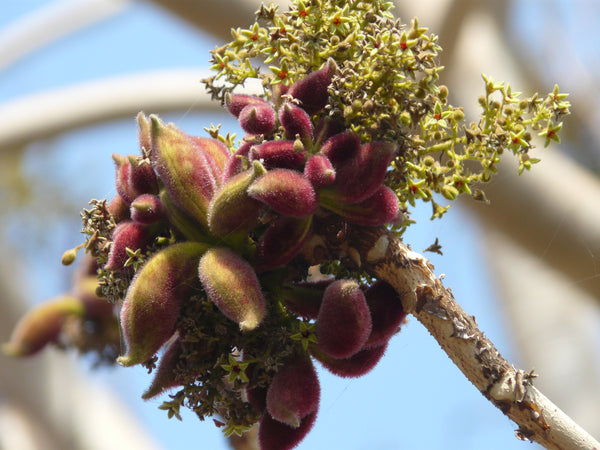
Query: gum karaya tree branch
(242, 262)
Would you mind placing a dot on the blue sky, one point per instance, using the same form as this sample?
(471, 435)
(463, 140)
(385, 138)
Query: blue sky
(414, 399)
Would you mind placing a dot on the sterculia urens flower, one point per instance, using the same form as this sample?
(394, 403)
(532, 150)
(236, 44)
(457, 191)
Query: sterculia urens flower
(200, 253)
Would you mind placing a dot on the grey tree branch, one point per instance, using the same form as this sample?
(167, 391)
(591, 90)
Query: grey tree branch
(382, 253)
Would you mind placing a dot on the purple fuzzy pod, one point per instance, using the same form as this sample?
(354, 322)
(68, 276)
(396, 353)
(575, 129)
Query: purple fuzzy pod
(147, 209)
(281, 242)
(42, 325)
(359, 177)
(274, 435)
(380, 208)
(344, 321)
(217, 152)
(296, 122)
(144, 133)
(235, 103)
(152, 304)
(238, 162)
(312, 90)
(184, 168)
(286, 192)
(319, 171)
(118, 209)
(294, 391)
(126, 235)
(278, 154)
(142, 178)
(387, 313)
(123, 171)
(257, 397)
(305, 298)
(232, 285)
(341, 147)
(356, 366)
(165, 375)
(257, 119)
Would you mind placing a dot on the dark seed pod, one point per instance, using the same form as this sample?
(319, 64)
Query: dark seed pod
(341, 147)
(344, 322)
(236, 102)
(275, 435)
(312, 90)
(387, 313)
(319, 171)
(356, 366)
(285, 191)
(127, 235)
(147, 209)
(380, 208)
(294, 391)
(296, 121)
(278, 155)
(257, 119)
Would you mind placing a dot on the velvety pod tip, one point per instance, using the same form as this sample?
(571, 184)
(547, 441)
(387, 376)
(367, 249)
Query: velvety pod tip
(232, 285)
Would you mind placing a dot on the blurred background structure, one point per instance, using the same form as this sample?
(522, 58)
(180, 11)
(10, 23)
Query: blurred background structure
(73, 75)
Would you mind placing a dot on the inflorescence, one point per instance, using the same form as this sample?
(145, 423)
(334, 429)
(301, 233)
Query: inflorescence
(200, 253)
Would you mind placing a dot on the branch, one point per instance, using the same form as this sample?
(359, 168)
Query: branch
(383, 255)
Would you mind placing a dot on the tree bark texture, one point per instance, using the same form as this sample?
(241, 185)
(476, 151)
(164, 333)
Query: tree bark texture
(382, 254)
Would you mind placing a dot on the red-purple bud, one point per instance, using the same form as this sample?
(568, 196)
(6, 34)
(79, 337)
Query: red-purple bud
(312, 90)
(344, 322)
(151, 307)
(42, 325)
(257, 119)
(285, 191)
(147, 209)
(296, 122)
(127, 235)
(281, 242)
(379, 209)
(357, 365)
(359, 177)
(217, 152)
(387, 313)
(274, 435)
(142, 178)
(341, 147)
(184, 168)
(238, 162)
(232, 285)
(236, 102)
(319, 171)
(144, 133)
(165, 376)
(118, 209)
(278, 154)
(123, 172)
(294, 391)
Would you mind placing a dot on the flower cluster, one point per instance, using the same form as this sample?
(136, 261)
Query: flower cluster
(201, 249)
(200, 253)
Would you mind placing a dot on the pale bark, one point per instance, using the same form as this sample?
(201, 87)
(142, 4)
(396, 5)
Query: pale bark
(382, 253)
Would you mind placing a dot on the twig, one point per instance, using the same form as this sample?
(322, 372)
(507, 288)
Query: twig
(382, 253)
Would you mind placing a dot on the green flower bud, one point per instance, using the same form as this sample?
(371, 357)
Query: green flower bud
(42, 325)
(153, 300)
(232, 285)
(232, 210)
